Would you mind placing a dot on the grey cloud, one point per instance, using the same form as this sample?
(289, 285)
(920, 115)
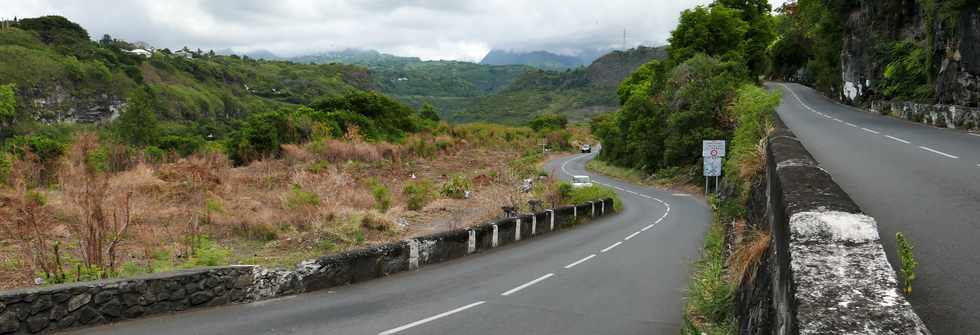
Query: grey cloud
(431, 29)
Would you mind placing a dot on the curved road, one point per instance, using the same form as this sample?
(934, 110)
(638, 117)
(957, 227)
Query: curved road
(624, 274)
(919, 180)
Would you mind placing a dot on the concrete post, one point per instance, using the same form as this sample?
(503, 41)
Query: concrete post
(574, 212)
(517, 229)
(471, 243)
(413, 254)
(494, 242)
(534, 224)
(593, 208)
(551, 215)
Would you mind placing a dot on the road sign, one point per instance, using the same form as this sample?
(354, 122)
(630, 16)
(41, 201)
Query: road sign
(712, 166)
(713, 148)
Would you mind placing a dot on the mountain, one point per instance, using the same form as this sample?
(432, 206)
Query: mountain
(578, 94)
(538, 59)
(411, 76)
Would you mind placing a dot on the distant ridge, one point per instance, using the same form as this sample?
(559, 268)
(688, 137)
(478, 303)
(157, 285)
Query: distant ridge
(539, 59)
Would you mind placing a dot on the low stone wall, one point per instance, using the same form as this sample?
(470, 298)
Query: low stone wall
(52, 308)
(825, 271)
(948, 116)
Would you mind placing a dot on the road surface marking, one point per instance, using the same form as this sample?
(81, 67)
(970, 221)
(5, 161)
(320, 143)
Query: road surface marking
(870, 131)
(648, 227)
(430, 319)
(851, 124)
(611, 246)
(828, 116)
(525, 285)
(974, 134)
(631, 236)
(838, 120)
(897, 139)
(681, 195)
(569, 266)
(938, 152)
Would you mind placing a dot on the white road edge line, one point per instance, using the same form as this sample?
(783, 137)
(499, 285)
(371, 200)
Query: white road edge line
(525, 285)
(654, 224)
(938, 152)
(569, 266)
(631, 236)
(431, 318)
(898, 139)
(611, 246)
(974, 134)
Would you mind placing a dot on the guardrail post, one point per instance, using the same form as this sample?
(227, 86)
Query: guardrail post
(471, 243)
(551, 215)
(413, 254)
(517, 230)
(534, 224)
(593, 208)
(494, 242)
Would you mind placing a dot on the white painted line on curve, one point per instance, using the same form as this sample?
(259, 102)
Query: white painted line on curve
(648, 227)
(870, 131)
(838, 120)
(430, 319)
(611, 246)
(851, 124)
(631, 236)
(525, 285)
(681, 195)
(938, 152)
(897, 139)
(569, 266)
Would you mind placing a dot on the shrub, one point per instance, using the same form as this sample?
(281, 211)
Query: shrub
(154, 154)
(382, 197)
(206, 253)
(455, 187)
(6, 164)
(417, 194)
(592, 193)
(297, 198)
(909, 263)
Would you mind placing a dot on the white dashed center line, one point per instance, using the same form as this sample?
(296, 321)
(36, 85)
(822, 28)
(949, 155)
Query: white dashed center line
(430, 319)
(611, 246)
(569, 266)
(525, 285)
(897, 139)
(869, 130)
(648, 227)
(938, 152)
(851, 124)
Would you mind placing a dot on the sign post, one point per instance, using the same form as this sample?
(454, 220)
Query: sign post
(712, 151)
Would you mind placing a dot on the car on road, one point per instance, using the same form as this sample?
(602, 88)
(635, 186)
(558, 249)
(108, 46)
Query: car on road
(586, 148)
(581, 181)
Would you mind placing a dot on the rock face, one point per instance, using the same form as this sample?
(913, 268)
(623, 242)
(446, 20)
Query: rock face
(54, 308)
(60, 104)
(825, 271)
(953, 42)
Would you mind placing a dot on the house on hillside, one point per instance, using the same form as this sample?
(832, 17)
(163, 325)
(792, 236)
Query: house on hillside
(140, 52)
(184, 53)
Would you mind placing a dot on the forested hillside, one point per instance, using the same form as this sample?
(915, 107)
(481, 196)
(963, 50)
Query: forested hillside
(538, 59)
(578, 94)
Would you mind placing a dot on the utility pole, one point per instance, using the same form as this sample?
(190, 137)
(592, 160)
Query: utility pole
(624, 39)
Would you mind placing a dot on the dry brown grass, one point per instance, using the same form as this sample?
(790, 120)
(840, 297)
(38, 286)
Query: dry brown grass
(245, 208)
(751, 247)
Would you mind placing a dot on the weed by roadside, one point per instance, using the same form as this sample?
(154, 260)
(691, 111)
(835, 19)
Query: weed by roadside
(909, 263)
(710, 294)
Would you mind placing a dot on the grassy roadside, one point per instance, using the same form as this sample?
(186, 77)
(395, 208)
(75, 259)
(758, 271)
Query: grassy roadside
(710, 295)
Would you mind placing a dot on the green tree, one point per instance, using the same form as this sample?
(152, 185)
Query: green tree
(716, 31)
(137, 125)
(428, 112)
(8, 104)
(548, 122)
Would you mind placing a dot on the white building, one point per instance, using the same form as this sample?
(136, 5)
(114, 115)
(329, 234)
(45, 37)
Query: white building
(141, 52)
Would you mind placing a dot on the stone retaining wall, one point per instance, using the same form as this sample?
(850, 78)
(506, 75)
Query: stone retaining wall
(825, 271)
(948, 116)
(52, 308)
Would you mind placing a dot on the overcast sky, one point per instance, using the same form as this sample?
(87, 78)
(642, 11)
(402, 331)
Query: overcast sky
(430, 29)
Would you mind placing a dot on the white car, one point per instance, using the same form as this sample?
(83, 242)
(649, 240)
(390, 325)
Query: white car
(586, 148)
(581, 181)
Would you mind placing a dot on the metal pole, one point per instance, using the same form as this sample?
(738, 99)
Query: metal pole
(705, 185)
(716, 184)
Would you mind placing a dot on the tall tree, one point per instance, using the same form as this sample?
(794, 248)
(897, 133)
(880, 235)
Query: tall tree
(137, 124)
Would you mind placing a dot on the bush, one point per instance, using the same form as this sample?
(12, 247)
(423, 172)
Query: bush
(548, 122)
(581, 195)
(417, 194)
(752, 109)
(154, 154)
(206, 253)
(455, 187)
(297, 198)
(6, 164)
(382, 197)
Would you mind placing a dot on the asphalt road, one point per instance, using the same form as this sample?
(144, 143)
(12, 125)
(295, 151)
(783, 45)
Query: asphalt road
(550, 284)
(916, 179)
